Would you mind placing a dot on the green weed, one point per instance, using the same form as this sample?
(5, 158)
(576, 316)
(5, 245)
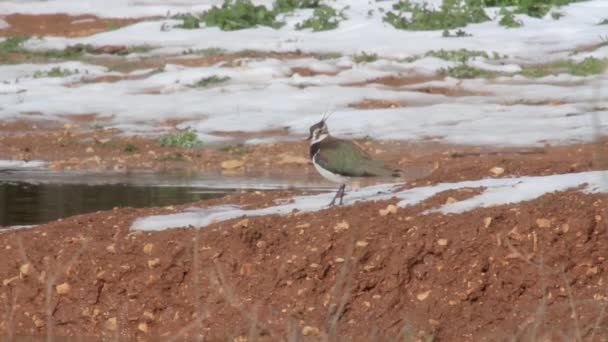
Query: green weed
(461, 55)
(240, 14)
(184, 138)
(365, 57)
(130, 148)
(55, 72)
(189, 21)
(464, 70)
(508, 19)
(533, 8)
(452, 14)
(237, 150)
(209, 81)
(323, 18)
(284, 6)
(212, 51)
(13, 44)
(589, 66)
(457, 34)
(329, 55)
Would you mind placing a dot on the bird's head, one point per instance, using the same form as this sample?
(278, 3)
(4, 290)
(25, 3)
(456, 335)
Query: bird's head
(319, 131)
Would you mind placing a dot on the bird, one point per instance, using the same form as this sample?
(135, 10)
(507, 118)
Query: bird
(340, 160)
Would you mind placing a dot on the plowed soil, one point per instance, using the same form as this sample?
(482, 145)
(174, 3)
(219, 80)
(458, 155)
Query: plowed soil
(529, 271)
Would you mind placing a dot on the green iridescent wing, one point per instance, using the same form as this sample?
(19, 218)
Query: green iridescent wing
(347, 159)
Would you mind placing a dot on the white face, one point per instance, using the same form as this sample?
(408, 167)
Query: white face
(318, 134)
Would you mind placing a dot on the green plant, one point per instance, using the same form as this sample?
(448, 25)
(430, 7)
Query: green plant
(461, 55)
(365, 57)
(284, 6)
(452, 14)
(208, 81)
(508, 19)
(189, 21)
(457, 34)
(183, 138)
(588, 66)
(172, 156)
(212, 51)
(533, 8)
(464, 70)
(130, 148)
(556, 15)
(323, 18)
(238, 149)
(240, 14)
(13, 44)
(329, 55)
(55, 72)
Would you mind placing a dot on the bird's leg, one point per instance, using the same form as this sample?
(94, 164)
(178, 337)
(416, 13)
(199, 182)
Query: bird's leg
(342, 187)
(333, 201)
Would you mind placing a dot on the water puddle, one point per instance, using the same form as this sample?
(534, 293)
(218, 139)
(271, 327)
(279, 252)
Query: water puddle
(34, 197)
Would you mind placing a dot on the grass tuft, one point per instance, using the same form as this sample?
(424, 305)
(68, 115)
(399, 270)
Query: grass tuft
(461, 55)
(209, 81)
(452, 14)
(55, 72)
(240, 14)
(185, 138)
(365, 57)
(464, 71)
(323, 18)
(284, 6)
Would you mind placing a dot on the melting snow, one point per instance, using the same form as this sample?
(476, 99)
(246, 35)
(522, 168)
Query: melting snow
(497, 191)
(9, 165)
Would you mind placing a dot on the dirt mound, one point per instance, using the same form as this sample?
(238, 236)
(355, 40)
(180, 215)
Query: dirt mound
(530, 271)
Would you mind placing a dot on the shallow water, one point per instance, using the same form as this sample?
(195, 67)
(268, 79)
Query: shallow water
(34, 197)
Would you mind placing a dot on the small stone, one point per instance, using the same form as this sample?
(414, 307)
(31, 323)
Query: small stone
(244, 223)
(598, 218)
(143, 327)
(111, 249)
(592, 270)
(246, 269)
(63, 289)
(361, 243)
(451, 200)
(260, 244)
(38, 322)
(339, 260)
(287, 158)
(148, 248)
(111, 324)
(565, 227)
(90, 150)
(497, 170)
(487, 221)
(25, 270)
(154, 262)
(340, 226)
(7, 281)
(310, 331)
(543, 223)
(442, 242)
(303, 225)
(390, 209)
(232, 164)
(423, 295)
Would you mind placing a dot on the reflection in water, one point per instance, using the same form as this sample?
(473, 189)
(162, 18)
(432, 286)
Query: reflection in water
(26, 203)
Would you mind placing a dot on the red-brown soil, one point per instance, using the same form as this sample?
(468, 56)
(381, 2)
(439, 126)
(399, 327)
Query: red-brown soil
(60, 24)
(78, 145)
(529, 271)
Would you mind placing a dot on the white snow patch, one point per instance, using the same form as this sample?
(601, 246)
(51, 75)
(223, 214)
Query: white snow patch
(21, 164)
(497, 192)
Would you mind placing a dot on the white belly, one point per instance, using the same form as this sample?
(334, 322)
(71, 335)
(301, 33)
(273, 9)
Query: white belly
(329, 175)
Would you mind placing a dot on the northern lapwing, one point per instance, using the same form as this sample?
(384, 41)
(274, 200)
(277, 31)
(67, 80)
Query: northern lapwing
(340, 160)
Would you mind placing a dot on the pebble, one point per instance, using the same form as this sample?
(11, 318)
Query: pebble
(487, 221)
(390, 209)
(143, 327)
(340, 226)
(310, 331)
(148, 248)
(111, 324)
(423, 295)
(543, 222)
(154, 262)
(25, 269)
(442, 242)
(63, 289)
(232, 164)
(362, 243)
(497, 170)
